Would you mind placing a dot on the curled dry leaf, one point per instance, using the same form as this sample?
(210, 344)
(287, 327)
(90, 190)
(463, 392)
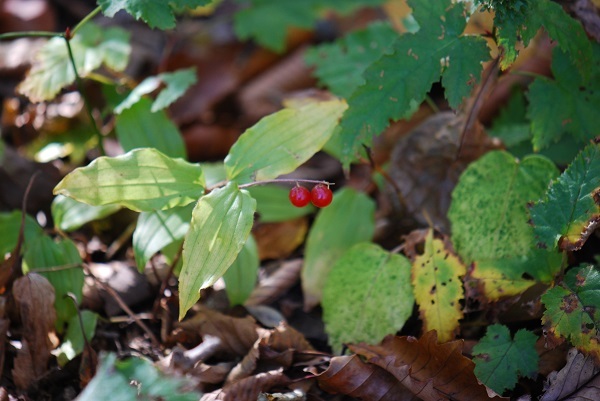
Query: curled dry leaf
(279, 240)
(249, 388)
(278, 283)
(579, 380)
(431, 370)
(34, 300)
(351, 376)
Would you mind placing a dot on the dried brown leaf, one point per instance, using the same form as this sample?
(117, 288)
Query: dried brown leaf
(351, 376)
(268, 290)
(579, 380)
(279, 240)
(432, 371)
(34, 300)
(249, 388)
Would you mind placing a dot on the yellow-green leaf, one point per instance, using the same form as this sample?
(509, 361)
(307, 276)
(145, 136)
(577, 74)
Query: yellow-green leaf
(281, 142)
(142, 180)
(220, 226)
(69, 214)
(438, 288)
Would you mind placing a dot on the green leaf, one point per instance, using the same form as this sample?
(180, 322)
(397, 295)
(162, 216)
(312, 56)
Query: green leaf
(399, 81)
(438, 289)
(73, 342)
(60, 262)
(157, 14)
(340, 65)
(157, 229)
(349, 220)
(10, 224)
(366, 296)
(570, 211)
(142, 180)
(526, 23)
(176, 83)
(92, 47)
(565, 105)
(490, 226)
(281, 142)
(572, 309)
(113, 382)
(240, 278)
(220, 226)
(69, 214)
(500, 360)
(267, 21)
(139, 127)
(273, 205)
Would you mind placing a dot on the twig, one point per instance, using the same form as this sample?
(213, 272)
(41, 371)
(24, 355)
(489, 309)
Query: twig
(165, 281)
(28, 34)
(86, 19)
(15, 270)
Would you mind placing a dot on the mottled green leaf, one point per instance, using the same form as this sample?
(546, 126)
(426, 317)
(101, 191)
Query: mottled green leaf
(113, 382)
(366, 296)
(570, 211)
(438, 289)
(220, 226)
(142, 180)
(73, 342)
(566, 104)
(157, 14)
(69, 214)
(490, 226)
(157, 229)
(59, 261)
(398, 81)
(139, 127)
(175, 84)
(572, 309)
(340, 65)
(10, 224)
(500, 360)
(273, 205)
(92, 47)
(349, 220)
(281, 142)
(240, 278)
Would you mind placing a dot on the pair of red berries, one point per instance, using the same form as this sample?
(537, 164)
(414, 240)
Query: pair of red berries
(320, 196)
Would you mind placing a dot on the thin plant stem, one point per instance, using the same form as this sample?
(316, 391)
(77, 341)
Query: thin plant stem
(28, 34)
(288, 180)
(86, 19)
(86, 102)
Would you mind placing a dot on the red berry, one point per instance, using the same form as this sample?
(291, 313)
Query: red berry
(321, 195)
(299, 196)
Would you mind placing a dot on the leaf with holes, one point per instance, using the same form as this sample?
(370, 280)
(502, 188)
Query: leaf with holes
(438, 288)
(220, 226)
(570, 211)
(367, 295)
(500, 360)
(572, 310)
(490, 226)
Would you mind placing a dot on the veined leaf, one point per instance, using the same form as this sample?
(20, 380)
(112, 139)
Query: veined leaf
(157, 14)
(281, 142)
(240, 278)
(157, 229)
(366, 296)
(340, 65)
(577, 111)
(572, 309)
(500, 360)
(490, 225)
(438, 288)
(273, 205)
(176, 83)
(142, 180)
(73, 342)
(60, 263)
(69, 214)
(349, 220)
(398, 81)
(10, 224)
(139, 127)
(569, 212)
(92, 47)
(220, 226)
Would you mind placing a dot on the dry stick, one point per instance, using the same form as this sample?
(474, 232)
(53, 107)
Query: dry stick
(15, 267)
(163, 284)
(124, 306)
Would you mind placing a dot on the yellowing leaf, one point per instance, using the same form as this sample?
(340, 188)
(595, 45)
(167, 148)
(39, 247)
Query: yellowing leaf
(438, 288)
(281, 142)
(220, 226)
